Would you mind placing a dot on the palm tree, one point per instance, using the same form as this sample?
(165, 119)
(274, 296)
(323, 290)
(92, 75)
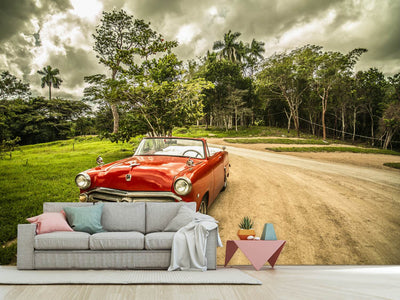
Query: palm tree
(256, 49)
(229, 47)
(254, 53)
(50, 79)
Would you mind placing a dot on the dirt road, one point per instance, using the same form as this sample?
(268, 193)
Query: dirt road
(329, 210)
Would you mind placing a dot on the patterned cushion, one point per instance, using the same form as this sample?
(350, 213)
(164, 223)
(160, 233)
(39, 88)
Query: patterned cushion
(117, 241)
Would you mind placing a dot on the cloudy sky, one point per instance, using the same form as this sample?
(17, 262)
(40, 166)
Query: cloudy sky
(36, 33)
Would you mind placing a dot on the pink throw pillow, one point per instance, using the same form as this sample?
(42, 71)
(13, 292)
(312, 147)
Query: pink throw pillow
(49, 222)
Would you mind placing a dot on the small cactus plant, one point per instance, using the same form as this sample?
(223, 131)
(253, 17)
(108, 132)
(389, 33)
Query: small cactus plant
(246, 223)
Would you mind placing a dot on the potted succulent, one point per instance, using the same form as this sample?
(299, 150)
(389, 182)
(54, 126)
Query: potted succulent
(246, 228)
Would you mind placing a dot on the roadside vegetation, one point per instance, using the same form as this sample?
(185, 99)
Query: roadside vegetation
(251, 131)
(358, 148)
(277, 141)
(334, 149)
(392, 165)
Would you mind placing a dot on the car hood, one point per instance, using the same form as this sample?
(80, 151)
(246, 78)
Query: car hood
(140, 173)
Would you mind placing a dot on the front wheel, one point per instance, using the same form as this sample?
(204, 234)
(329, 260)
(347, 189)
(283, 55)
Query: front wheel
(203, 205)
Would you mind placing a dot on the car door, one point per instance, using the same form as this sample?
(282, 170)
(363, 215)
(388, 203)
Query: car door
(216, 163)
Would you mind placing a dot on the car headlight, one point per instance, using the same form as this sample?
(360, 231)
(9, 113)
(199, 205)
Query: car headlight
(182, 186)
(83, 181)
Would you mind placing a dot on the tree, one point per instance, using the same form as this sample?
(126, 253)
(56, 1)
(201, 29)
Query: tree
(371, 89)
(12, 88)
(118, 40)
(38, 120)
(236, 103)
(394, 87)
(254, 54)
(226, 77)
(50, 78)
(255, 50)
(343, 94)
(330, 66)
(9, 145)
(390, 122)
(161, 100)
(229, 48)
(286, 75)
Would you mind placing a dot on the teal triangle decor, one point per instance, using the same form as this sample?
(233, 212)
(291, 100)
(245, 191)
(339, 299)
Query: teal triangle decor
(268, 232)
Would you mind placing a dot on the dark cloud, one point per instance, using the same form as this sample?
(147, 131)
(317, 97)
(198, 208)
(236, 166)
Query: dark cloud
(17, 36)
(386, 38)
(155, 9)
(74, 65)
(15, 15)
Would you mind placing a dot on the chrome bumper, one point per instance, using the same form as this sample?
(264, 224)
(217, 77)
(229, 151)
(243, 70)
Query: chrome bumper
(112, 195)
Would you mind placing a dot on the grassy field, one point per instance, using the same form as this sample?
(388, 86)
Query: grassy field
(45, 172)
(255, 131)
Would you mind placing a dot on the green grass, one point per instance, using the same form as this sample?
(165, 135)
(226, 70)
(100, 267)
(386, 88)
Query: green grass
(392, 165)
(277, 141)
(46, 172)
(213, 132)
(334, 149)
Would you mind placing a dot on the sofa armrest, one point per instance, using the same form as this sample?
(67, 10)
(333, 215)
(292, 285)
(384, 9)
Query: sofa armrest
(25, 246)
(211, 249)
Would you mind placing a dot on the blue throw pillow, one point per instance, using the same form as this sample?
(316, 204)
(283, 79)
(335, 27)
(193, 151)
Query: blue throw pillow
(86, 219)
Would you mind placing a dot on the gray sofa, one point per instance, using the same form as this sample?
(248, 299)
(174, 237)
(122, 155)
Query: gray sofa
(134, 239)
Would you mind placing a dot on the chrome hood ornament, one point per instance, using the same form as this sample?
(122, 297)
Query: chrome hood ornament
(99, 160)
(190, 162)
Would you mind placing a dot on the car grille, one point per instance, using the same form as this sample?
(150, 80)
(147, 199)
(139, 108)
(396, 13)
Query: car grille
(111, 195)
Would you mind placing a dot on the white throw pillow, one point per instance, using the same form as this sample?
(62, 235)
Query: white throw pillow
(184, 216)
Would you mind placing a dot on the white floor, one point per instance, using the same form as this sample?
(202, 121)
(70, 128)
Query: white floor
(282, 282)
(331, 282)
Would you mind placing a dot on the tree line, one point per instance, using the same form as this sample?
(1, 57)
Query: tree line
(148, 90)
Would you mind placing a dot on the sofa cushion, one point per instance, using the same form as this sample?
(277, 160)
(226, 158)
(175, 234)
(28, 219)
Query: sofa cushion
(132, 240)
(184, 216)
(159, 214)
(50, 222)
(86, 219)
(124, 217)
(158, 240)
(62, 240)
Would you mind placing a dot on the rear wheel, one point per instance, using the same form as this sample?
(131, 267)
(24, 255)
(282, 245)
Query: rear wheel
(203, 205)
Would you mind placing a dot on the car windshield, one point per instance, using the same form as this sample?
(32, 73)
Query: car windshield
(171, 147)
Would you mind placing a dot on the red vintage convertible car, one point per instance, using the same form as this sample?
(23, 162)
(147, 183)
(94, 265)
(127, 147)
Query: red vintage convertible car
(162, 169)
